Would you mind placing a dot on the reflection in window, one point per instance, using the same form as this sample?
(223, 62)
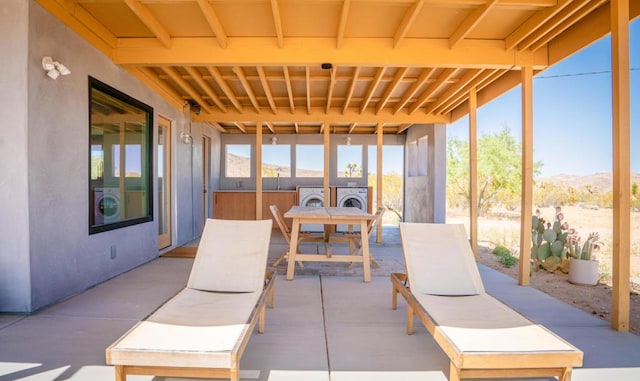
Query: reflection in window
(309, 160)
(120, 180)
(238, 160)
(350, 161)
(276, 160)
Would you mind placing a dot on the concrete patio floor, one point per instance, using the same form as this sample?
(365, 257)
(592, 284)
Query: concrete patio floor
(327, 324)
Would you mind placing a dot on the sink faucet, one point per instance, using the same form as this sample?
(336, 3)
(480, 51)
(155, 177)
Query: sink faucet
(278, 180)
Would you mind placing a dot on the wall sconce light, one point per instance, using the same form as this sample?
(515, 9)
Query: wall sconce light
(274, 140)
(53, 68)
(348, 140)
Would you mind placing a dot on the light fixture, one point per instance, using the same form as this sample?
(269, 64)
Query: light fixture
(54, 69)
(185, 135)
(348, 140)
(274, 140)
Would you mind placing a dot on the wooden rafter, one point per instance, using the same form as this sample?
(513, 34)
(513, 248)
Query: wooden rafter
(390, 88)
(214, 22)
(469, 76)
(218, 127)
(270, 127)
(240, 127)
(297, 128)
(481, 81)
(424, 97)
(267, 89)
(407, 21)
(332, 83)
(204, 86)
(372, 88)
(175, 76)
(287, 82)
(277, 22)
(217, 77)
(422, 78)
(94, 25)
(470, 22)
(150, 21)
(308, 87)
(352, 127)
(403, 127)
(344, 16)
(247, 87)
(151, 79)
(533, 23)
(553, 22)
(354, 82)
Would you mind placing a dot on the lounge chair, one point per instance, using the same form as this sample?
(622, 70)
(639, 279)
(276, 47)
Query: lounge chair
(203, 330)
(355, 238)
(482, 337)
(286, 233)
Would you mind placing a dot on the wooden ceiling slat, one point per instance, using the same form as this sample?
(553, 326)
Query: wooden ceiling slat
(247, 87)
(308, 87)
(533, 23)
(344, 16)
(214, 22)
(287, 81)
(218, 127)
(204, 86)
(469, 76)
(270, 127)
(240, 127)
(94, 25)
(331, 85)
(275, 10)
(479, 87)
(217, 77)
(372, 89)
(407, 21)
(266, 88)
(352, 127)
(441, 80)
(463, 92)
(391, 88)
(352, 87)
(470, 22)
(422, 78)
(150, 21)
(171, 72)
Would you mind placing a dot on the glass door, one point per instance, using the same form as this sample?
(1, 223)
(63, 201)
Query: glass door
(164, 183)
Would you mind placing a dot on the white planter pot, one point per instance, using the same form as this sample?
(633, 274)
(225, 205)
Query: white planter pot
(585, 273)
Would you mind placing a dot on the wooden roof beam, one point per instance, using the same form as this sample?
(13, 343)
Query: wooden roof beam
(556, 20)
(372, 89)
(344, 16)
(277, 22)
(354, 81)
(422, 78)
(145, 15)
(295, 125)
(240, 127)
(265, 86)
(87, 19)
(247, 87)
(478, 83)
(214, 22)
(391, 87)
(270, 127)
(566, 25)
(480, 86)
(217, 77)
(175, 76)
(407, 21)
(204, 86)
(287, 82)
(470, 22)
(332, 83)
(352, 127)
(403, 127)
(151, 79)
(533, 23)
(441, 80)
(218, 127)
(469, 76)
(308, 88)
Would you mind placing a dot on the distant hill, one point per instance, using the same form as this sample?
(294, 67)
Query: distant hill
(600, 181)
(240, 167)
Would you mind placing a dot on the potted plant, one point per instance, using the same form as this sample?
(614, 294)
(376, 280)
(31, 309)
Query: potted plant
(583, 268)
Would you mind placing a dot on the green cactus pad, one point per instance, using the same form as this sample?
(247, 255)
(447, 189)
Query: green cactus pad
(549, 235)
(557, 227)
(556, 248)
(544, 251)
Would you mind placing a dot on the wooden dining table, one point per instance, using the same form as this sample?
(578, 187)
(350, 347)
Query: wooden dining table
(328, 216)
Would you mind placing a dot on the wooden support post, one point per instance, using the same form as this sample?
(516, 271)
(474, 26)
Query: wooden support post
(258, 170)
(527, 176)
(473, 171)
(327, 152)
(379, 141)
(621, 164)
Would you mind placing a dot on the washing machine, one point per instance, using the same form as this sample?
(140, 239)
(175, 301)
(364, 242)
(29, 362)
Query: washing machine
(355, 197)
(312, 197)
(106, 207)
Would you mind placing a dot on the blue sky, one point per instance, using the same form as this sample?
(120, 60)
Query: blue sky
(572, 112)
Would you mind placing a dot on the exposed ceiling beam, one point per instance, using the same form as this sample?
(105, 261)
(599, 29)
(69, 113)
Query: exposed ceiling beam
(390, 88)
(277, 22)
(422, 78)
(204, 86)
(267, 89)
(407, 21)
(534, 22)
(362, 51)
(308, 88)
(354, 81)
(470, 22)
(295, 125)
(553, 22)
(214, 22)
(217, 77)
(270, 127)
(332, 83)
(480, 82)
(151, 79)
(372, 88)
(422, 99)
(352, 127)
(287, 82)
(218, 127)
(403, 127)
(186, 88)
(240, 127)
(145, 15)
(247, 87)
(344, 16)
(467, 77)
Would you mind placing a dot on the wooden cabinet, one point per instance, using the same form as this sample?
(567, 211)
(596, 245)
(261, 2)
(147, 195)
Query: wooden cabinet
(230, 205)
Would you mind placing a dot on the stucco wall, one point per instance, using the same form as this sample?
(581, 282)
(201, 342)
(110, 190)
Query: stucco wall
(425, 196)
(45, 249)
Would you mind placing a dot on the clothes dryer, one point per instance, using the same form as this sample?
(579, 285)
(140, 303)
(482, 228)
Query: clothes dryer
(106, 205)
(355, 197)
(311, 197)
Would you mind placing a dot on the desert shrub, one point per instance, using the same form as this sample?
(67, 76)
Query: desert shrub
(504, 256)
(501, 250)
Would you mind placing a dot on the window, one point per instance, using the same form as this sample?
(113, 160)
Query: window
(276, 160)
(238, 160)
(350, 161)
(120, 178)
(309, 160)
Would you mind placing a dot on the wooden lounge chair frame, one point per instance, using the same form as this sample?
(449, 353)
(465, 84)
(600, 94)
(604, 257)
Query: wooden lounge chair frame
(124, 360)
(286, 232)
(486, 364)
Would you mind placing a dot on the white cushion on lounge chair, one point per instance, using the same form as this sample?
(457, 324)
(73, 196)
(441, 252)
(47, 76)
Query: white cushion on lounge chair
(447, 269)
(243, 271)
(480, 323)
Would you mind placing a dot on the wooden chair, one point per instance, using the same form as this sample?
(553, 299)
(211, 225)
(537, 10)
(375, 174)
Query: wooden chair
(286, 232)
(355, 238)
(483, 337)
(203, 330)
